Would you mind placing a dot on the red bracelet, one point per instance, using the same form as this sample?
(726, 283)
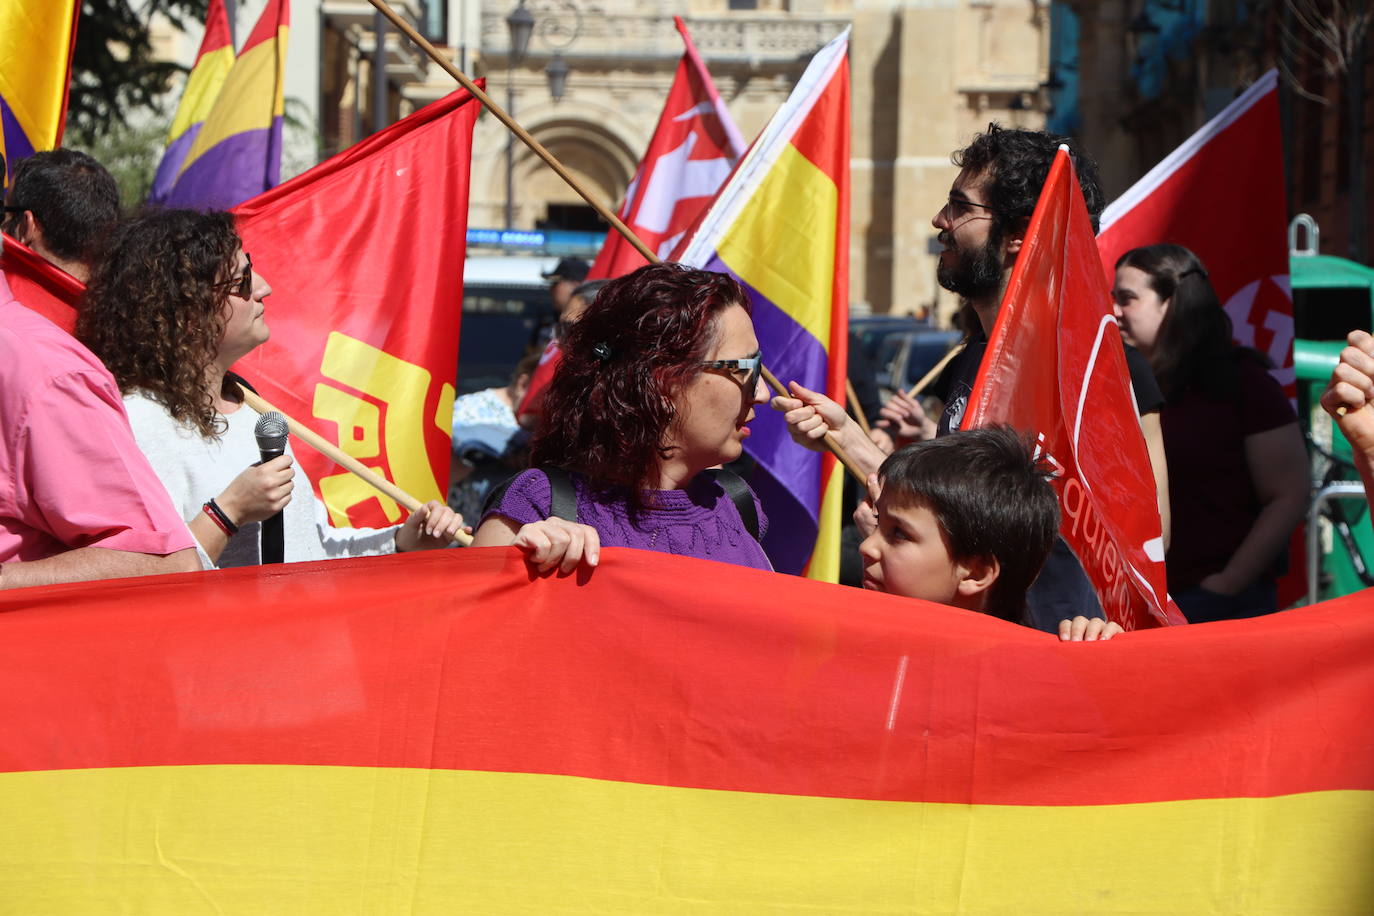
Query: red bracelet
(217, 515)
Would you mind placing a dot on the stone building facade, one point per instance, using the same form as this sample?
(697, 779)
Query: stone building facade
(925, 75)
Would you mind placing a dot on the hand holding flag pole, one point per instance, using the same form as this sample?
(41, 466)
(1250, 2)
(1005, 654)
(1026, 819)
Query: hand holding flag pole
(343, 459)
(602, 210)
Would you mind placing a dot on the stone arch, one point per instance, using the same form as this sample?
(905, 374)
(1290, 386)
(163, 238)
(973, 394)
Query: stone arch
(599, 153)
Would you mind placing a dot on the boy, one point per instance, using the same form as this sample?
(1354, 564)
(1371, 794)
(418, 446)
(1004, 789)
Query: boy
(966, 520)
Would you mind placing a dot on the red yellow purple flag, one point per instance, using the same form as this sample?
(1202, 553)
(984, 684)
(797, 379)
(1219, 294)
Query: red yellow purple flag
(437, 733)
(780, 226)
(364, 254)
(237, 151)
(37, 38)
(213, 63)
(1056, 315)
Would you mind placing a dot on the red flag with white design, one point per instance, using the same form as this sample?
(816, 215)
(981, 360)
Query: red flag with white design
(1221, 195)
(692, 152)
(1057, 312)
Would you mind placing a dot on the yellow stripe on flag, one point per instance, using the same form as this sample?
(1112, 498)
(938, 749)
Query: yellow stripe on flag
(239, 107)
(296, 839)
(825, 559)
(783, 244)
(202, 88)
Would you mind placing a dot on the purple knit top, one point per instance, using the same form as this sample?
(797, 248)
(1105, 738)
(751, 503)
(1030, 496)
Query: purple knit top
(699, 521)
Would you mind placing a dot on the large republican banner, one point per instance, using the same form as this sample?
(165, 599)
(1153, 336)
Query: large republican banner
(440, 733)
(1221, 195)
(1056, 316)
(364, 254)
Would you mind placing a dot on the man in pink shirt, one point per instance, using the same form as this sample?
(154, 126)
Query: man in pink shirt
(77, 498)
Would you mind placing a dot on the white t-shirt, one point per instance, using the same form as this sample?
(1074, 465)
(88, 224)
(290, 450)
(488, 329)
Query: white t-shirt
(195, 469)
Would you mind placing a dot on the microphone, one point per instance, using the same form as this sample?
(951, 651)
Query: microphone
(271, 433)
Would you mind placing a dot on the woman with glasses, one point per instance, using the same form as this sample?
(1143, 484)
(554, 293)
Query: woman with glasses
(174, 303)
(1238, 476)
(657, 384)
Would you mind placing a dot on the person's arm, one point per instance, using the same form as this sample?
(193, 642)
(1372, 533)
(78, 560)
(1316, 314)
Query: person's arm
(809, 416)
(905, 419)
(549, 543)
(86, 563)
(259, 492)
(1277, 461)
(1154, 443)
(433, 526)
(1349, 398)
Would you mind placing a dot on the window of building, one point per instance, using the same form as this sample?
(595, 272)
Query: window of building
(434, 20)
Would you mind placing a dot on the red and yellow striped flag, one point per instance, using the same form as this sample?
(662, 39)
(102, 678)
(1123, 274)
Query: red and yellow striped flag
(435, 733)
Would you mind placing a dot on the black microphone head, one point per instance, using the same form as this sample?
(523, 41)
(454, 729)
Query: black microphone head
(271, 432)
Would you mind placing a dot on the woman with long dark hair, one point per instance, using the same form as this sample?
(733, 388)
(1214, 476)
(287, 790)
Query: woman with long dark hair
(174, 303)
(1238, 475)
(657, 383)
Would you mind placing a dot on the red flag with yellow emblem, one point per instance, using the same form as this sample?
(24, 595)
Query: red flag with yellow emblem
(364, 254)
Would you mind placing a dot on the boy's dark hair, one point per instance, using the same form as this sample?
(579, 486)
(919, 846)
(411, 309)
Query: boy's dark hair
(1018, 161)
(991, 498)
(71, 196)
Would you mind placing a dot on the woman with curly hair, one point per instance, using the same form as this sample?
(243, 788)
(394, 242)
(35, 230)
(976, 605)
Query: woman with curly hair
(1238, 476)
(658, 382)
(174, 303)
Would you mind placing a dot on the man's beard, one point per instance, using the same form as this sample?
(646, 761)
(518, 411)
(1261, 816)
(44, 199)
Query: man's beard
(976, 273)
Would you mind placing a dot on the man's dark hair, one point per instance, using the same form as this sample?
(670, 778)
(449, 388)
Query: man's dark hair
(71, 196)
(1017, 162)
(991, 498)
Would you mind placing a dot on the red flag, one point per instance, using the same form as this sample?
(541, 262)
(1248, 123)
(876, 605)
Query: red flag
(693, 150)
(1057, 312)
(43, 287)
(365, 257)
(1221, 195)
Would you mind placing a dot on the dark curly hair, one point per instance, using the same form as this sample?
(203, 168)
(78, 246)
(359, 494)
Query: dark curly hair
(1018, 162)
(154, 310)
(610, 402)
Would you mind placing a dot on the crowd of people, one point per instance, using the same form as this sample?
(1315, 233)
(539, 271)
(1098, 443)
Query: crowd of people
(129, 450)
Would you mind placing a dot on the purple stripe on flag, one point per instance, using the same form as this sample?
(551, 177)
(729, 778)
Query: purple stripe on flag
(17, 145)
(232, 171)
(788, 478)
(170, 166)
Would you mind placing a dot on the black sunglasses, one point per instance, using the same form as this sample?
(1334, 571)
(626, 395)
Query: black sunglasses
(243, 286)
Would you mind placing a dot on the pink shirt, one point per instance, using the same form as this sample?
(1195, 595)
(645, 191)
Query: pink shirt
(71, 474)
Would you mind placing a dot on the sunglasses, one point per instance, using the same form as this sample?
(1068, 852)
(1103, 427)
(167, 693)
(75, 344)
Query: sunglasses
(745, 371)
(243, 285)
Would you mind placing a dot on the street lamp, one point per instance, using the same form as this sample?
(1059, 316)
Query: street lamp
(520, 24)
(557, 72)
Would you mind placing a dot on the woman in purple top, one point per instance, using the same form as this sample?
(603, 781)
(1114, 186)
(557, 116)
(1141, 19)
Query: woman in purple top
(1238, 476)
(657, 382)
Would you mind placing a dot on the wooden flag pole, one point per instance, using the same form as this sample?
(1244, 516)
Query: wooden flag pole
(535, 146)
(343, 459)
(935, 371)
(854, 405)
(538, 149)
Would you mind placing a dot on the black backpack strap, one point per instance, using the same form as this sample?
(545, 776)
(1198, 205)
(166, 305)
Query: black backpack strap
(562, 495)
(740, 494)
